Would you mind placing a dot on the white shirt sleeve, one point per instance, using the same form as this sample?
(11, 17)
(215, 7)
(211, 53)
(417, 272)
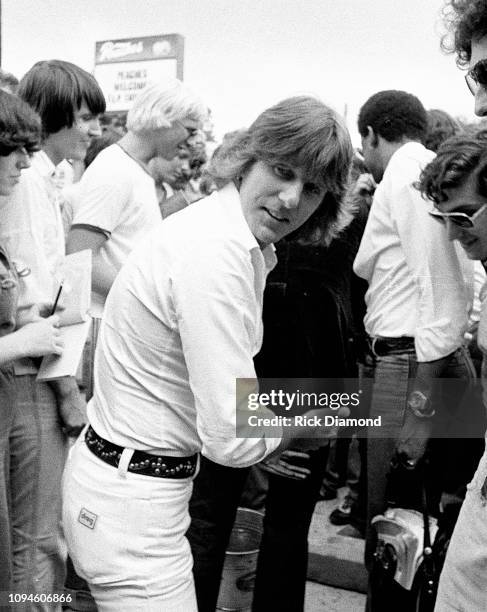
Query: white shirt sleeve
(436, 270)
(31, 231)
(102, 198)
(218, 314)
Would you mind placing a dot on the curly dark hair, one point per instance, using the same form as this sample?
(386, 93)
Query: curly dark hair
(20, 125)
(455, 161)
(466, 20)
(393, 115)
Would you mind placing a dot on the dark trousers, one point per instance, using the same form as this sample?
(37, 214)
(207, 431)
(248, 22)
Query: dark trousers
(283, 558)
(213, 506)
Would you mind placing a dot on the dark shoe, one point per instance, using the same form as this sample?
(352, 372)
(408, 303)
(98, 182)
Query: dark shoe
(326, 494)
(342, 514)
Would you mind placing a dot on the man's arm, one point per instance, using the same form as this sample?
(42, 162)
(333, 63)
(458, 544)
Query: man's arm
(441, 314)
(103, 274)
(436, 271)
(217, 312)
(71, 405)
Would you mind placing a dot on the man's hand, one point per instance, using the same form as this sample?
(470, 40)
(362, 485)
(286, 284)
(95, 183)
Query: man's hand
(413, 439)
(310, 437)
(290, 463)
(71, 405)
(416, 431)
(41, 337)
(365, 184)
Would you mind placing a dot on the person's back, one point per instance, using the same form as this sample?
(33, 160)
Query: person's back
(118, 202)
(116, 195)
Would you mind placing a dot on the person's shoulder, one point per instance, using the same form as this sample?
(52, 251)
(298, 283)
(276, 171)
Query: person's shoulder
(202, 229)
(410, 156)
(405, 166)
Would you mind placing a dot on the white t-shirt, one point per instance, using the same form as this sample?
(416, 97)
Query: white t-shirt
(117, 197)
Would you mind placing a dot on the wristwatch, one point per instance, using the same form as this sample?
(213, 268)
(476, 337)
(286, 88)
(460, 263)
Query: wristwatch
(420, 405)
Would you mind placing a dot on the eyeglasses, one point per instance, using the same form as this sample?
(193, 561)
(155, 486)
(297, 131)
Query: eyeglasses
(190, 129)
(476, 77)
(458, 218)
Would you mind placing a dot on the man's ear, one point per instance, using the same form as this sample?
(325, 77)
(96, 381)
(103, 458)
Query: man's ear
(374, 140)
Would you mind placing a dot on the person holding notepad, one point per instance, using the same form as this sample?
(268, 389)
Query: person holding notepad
(20, 131)
(68, 100)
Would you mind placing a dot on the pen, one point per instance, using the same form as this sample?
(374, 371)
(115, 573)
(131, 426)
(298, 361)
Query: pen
(57, 299)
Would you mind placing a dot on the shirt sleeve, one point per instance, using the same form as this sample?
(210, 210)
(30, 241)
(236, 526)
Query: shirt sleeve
(217, 314)
(103, 197)
(30, 234)
(442, 304)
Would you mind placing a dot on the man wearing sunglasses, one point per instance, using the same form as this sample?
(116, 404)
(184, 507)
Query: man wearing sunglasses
(456, 182)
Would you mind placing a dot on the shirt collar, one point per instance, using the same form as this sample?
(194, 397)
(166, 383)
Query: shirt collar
(407, 149)
(43, 164)
(231, 200)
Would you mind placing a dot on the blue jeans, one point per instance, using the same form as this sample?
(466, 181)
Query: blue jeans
(393, 375)
(38, 450)
(7, 406)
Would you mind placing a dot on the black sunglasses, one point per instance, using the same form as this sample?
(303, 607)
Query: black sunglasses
(476, 77)
(459, 218)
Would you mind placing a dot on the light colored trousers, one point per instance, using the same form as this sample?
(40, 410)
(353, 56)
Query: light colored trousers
(126, 534)
(463, 581)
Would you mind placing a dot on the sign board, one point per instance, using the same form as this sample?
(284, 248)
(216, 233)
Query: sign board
(124, 66)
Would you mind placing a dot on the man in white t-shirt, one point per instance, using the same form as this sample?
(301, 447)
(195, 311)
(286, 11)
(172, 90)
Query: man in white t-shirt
(118, 203)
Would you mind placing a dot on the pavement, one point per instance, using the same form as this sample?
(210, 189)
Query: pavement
(337, 579)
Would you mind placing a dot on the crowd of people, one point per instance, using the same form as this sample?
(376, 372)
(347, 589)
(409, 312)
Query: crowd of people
(283, 255)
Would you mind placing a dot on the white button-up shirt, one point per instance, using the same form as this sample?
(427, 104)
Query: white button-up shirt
(182, 322)
(420, 284)
(32, 232)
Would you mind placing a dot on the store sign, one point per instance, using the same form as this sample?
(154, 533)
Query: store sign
(123, 67)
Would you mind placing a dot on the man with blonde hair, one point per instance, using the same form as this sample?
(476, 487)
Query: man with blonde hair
(117, 198)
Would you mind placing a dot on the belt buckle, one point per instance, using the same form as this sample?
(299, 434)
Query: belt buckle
(372, 346)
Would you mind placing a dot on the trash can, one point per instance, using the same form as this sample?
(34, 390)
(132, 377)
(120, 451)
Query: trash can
(238, 576)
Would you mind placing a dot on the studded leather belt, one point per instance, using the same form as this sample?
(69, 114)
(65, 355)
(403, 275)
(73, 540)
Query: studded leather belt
(159, 466)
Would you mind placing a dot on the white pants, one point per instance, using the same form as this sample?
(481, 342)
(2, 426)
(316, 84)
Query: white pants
(464, 577)
(126, 535)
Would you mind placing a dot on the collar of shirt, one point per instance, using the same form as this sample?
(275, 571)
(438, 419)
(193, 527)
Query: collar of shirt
(233, 206)
(409, 149)
(42, 163)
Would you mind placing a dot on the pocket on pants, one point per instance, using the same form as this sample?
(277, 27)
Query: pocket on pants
(124, 532)
(97, 531)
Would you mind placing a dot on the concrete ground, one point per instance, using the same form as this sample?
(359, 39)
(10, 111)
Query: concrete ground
(321, 598)
(336, 568)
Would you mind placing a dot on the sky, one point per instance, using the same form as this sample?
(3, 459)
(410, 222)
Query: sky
(241, 56)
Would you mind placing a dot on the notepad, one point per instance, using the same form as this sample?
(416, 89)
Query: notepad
(74, 319)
